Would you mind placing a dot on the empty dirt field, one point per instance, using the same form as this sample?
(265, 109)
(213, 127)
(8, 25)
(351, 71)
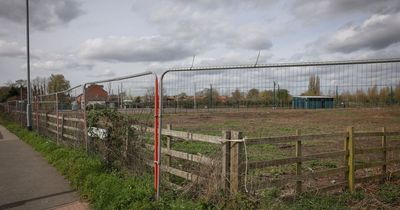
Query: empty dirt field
(270, 122)
(285, 122)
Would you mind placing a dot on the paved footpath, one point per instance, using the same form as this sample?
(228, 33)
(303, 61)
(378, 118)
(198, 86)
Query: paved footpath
(27, 181)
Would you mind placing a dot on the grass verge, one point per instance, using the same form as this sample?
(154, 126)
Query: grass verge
(87, 174)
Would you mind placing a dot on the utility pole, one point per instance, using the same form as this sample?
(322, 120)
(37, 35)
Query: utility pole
(28, 105)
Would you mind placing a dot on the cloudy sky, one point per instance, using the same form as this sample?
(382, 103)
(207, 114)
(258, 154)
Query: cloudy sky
(96, 39)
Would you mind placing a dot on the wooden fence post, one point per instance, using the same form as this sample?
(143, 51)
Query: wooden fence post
(45, 123)
(351, 160)
(237, 153)
(299, 163)
(384, 146)
(62, 127)
(168, 157)
(226, 155)
(58, 127)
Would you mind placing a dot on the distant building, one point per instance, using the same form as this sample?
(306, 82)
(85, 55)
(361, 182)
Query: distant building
(313, 102)
(95, 94)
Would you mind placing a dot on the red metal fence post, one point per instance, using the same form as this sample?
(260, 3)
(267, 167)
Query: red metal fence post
(156, 139)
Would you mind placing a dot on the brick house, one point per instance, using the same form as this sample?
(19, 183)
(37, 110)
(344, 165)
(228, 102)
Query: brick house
(95, 95)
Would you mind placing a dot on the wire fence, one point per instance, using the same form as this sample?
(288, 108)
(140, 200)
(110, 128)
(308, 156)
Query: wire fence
(365, 83)
(120, 114)
(112, 118)
(266, 100)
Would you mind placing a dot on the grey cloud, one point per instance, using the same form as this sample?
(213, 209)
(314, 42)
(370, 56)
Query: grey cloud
(11, 49)
(131, 49)
(313, 9)
(58, 63)
(206, 24)
(105, 74)
(44, 14)
(377, 32)
(208, 4)
(250, 37)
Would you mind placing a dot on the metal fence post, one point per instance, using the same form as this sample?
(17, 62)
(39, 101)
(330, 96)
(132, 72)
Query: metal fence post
(157, 136)
(85, 130)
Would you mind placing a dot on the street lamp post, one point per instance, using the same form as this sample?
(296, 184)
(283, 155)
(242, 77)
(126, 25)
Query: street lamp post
(28, 105)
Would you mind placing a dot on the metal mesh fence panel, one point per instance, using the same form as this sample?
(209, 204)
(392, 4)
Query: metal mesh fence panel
(57, 115)
(269, 105)
(16, 110)
(119, 117)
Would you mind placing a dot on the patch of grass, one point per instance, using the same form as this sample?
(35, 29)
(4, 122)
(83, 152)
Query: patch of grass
(322, 202)
(323, 164)
(389, 193)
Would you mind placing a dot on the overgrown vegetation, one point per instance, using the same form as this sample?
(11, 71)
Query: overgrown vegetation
(110, 144)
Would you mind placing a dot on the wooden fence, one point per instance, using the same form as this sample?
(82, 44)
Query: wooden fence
(349, 155)
(232, 162)
(63, 127)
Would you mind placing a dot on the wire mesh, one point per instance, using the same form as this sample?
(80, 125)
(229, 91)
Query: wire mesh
(58, 116)
(264, 101)
(16, 109)
(120, 119)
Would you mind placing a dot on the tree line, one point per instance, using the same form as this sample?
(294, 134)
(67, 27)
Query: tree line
(40, 86)
(277, 97)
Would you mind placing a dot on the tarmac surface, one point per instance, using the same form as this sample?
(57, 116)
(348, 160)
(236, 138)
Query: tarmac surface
(28, 181)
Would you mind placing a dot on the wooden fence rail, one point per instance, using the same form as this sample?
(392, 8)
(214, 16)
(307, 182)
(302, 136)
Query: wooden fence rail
(349, 153)
(57, 125)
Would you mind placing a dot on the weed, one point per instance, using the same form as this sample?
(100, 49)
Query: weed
(389, 193)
